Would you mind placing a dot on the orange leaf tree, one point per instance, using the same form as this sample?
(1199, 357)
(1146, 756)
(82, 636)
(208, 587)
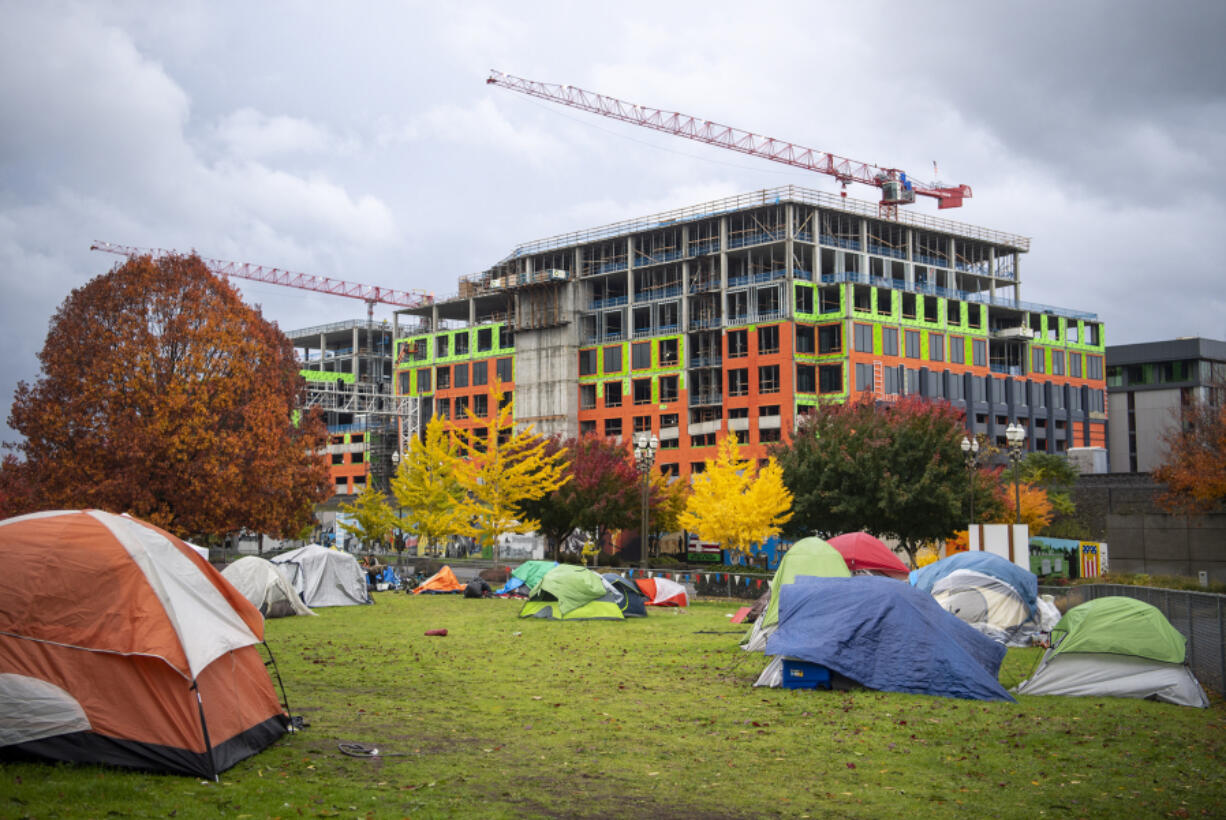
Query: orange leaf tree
(1195, 468)
(163, 395)
(1036, 508)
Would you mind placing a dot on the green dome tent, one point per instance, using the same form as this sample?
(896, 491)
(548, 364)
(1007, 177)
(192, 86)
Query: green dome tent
(1116, 647)
(808, 556)
(572, 593)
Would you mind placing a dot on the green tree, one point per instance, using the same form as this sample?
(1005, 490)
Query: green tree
(734, 502)
(373, 518)
(428, 488)
(164, 396)
(502, 469)
(893, 470)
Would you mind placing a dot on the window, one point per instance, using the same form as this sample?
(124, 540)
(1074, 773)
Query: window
(481, 373)
(912, 381)
(461, 344)
(768, 339)
(769, 435)
(613, 394)
(862, 298)
(672, 469)
(829, 299)
(613, 359)
(642, 424)
(1057, 362)
(974, 316)
(406, 386)
(612, 427)
(979, 388)
(705, 440)
(768, 410)
(338, 458)
(441, 344)
(908, 305)
(912, 338)
(506, 339)
(806, 378)
(891, 386)
(1074, 365)
(1038, 359)
(957, 349)
(460, 375)
(979, 352)
(1095, 404)
(461, 407)
(738, 382)
(953, 312)
(804, 339)
(481, 405)
(640, 356)
(957, 389)
(587, 428)
(830, 378)
(863, 338)
(502, 368)
(442, 377)
(889, 341)
(587, 397)
(864, 377)
(587, 362)
(669, 352)
(768, 379)
(738, 344)
(936, 347)
(668, 388)
(830, 339)
(697, 467)
(804, 299)
(423, 380)
(442, 408)
(1094, 367)
(642, 391)
(485, 339)
(669, 420)
(885, 301)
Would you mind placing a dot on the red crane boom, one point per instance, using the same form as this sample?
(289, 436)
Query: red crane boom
(370, 294)
(897, 187)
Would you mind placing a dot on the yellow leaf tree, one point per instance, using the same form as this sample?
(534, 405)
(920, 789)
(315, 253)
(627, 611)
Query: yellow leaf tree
(373, 519)
(501, 468)
(734, 503)
(428, 488)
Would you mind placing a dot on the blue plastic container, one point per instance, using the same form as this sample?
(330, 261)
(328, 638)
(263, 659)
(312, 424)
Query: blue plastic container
(804, 675)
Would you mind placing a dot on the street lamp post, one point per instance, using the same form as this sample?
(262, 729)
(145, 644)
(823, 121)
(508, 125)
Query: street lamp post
(970, 449)
(1015, 435)
(399, 512)
(644, 456)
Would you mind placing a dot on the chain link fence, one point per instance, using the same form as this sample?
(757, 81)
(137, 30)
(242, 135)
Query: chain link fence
(1199, 616)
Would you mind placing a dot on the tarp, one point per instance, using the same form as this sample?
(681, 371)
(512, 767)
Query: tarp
(1020, 579)
(662, 592)
(570, 592)
(265, 587)
(120, 645)
(1116, 647)
(811, 557)
(632, 603)
(527, 575)
(324, 577)
(863, 552)
(443, 581)
(886, 636)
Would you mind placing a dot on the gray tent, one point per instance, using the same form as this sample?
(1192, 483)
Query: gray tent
(324, 577)
(265, 587)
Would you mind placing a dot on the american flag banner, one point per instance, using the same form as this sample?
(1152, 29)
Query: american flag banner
(1089, 560)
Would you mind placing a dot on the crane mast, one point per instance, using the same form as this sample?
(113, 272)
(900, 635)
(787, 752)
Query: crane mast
(370, 294)
(897, 187)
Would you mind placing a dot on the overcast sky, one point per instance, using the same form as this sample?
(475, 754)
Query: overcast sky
(360, 141)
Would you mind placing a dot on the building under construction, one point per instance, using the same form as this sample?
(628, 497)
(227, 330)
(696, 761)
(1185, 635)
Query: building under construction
(735, 316)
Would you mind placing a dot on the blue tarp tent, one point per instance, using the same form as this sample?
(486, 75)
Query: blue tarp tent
(1024, 581)
(886, 636)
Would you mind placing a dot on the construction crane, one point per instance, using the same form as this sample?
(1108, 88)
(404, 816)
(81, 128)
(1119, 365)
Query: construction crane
(897, 187)
(370, 294)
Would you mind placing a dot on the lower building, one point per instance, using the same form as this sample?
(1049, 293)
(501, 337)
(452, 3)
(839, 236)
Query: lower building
(737, 316)
(1150, 385)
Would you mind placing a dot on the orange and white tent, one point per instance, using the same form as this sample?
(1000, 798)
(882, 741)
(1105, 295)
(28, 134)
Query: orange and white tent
(662, 592)
(120, 645)
(440, 582)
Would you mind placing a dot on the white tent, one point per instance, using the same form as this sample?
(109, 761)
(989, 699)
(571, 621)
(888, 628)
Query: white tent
(203, 552)
(988, 604)
(324, 577)
(265, 587)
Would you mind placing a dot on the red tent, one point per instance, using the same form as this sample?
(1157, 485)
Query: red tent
(662, 592)
(864, 553)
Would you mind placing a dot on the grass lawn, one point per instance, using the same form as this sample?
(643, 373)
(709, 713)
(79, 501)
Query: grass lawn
(652, 718)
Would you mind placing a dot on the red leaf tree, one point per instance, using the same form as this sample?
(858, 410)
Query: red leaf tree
(163, 395)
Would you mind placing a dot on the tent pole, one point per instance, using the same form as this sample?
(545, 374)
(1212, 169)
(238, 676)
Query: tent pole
(277, 671)
(208, 744)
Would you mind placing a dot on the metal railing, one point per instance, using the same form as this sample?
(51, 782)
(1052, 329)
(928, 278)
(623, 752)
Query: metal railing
(1198, 616)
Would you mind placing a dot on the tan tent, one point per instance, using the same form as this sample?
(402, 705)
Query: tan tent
(266, 588)
(119, 644)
